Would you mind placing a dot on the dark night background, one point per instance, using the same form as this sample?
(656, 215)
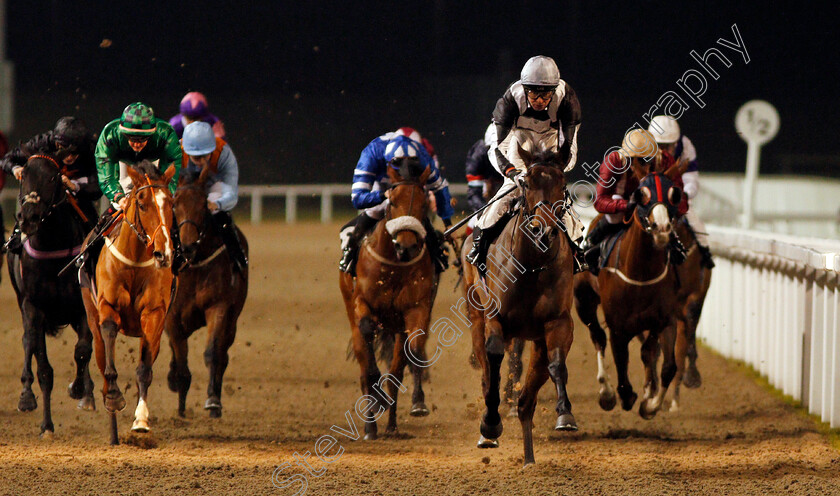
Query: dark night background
(303, 86)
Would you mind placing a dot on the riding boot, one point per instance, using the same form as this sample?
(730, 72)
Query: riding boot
(350, 253)
(478, 255)
(14, 244)
(178, 258)
(95, 243)
(232, 242)
(591, 246)
(706, 255)
(678, 251)
(437, 247)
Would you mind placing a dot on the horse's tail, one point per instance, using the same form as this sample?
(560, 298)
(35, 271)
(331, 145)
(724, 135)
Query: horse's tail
(383, 347)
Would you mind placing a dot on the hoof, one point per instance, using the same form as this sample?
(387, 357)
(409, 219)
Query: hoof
(140, 426)
(607, 400)
(691, 378)
(628, 402)
(87, 404)
(646, 411)
(419, 410)
(566, 422)
(47, 435)
(370, 437)
(513, 412)
(491, 431)
(529, 463)
(114, 402)
(675, 407)
(27, 401)
(483, 442)
(213, 403)
(76, 389)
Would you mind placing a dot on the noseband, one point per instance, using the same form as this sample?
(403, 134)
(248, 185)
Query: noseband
(405, 222)
(141, 233)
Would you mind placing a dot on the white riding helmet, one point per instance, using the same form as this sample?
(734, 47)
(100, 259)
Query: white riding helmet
(540, 72)
(670, 130)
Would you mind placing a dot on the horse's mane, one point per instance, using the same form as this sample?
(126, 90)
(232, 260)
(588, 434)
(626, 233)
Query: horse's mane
(149, 169)
(547, 158)
(188, 177)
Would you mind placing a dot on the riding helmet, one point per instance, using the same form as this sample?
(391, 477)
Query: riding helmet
(540, 73)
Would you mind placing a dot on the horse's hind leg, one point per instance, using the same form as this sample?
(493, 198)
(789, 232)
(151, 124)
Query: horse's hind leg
(494, 346)
(418, 318)
(513, 385)
(667, 337)
(586, 302)
(45, 378)
(179, 378)
(221, 330)
(27, 401)
(559, 337)
(395, 381)
(537, 375)
(82, 387)
(680, 352)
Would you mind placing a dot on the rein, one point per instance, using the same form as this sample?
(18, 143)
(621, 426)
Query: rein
(144, 238)
(621, 275)
(69, 197)
(379, 258)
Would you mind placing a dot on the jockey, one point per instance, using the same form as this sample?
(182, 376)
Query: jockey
(370, 181)
(201, 148)
(71, 144)
(483, 181)
(615, 189)
(136, 136)
(542, 110)
(194, 108)
(666, 130)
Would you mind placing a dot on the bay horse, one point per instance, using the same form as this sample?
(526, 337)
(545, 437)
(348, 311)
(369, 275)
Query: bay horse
(48, 301)
(210, 292)
(637, 290)
(392, 295)
(526, 294)
(133, 288)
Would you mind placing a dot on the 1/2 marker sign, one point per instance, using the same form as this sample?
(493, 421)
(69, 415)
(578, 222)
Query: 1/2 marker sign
(757, 122)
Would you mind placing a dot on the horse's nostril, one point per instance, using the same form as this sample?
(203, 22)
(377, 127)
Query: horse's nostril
(158, 256)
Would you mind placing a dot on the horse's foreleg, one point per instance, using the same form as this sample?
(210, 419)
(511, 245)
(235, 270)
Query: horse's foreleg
(537, 375)
(99, 352)
(494, 345)
(395, 381)
(82, 387)
(221, 330)
(27, 401)
(417, 319)
(513, 385)
(667, 336)
(363, 337)
(559, 336)
(649, 355)
(151, 321)
(109, 327)
(620, 358)
(45, 376)
(179, 378)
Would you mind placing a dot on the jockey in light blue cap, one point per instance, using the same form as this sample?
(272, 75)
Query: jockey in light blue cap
(370, 181)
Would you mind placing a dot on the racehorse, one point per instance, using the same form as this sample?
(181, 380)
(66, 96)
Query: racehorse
(392, 295)
(638, 292)
(210, 293)
(526, 294)
(133, 287)
(54, 232)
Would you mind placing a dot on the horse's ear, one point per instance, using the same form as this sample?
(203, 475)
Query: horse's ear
(425, 175)
(524, 154)
(203, 175)
(170, 172)
(135, 175)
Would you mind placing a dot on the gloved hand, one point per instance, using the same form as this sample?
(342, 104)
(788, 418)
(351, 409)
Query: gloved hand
(516, 176)
(631, 205)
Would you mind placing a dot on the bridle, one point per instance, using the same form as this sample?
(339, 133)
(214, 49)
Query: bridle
(556, 215)
(205, 225)
(141, 233)
(55, 201)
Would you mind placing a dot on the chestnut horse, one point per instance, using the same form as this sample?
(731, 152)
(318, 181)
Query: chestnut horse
(392, 294)
(526, 294)
(48, 301)
(133, 287)
(210, 292)
(638, 292)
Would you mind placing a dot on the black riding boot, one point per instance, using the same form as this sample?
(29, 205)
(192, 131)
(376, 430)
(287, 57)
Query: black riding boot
(14, 244)
(364, 223)
(231, 239)
(95, 243)
(706, 255)
(478, 255)
(578, 255)
(437, 247)
(678, 251)
(592, 244)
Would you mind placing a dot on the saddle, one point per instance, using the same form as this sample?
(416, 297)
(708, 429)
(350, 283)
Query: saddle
(608, 245)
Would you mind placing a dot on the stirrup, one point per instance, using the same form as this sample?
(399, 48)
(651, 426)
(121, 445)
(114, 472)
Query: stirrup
(348, 262)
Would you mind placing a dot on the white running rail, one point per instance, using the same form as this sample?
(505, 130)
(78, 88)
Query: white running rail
(774, 303)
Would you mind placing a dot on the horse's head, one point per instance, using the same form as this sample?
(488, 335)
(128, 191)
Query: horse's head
(150, 209)
(191, 211)
(407, 206)
(657, 201)
(41, 190)
(544, 193)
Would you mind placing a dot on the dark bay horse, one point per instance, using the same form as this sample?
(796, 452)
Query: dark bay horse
(638, 292)
(526, 294)
(133, 288)
(210, 292)
(47, 301)
(392, 295)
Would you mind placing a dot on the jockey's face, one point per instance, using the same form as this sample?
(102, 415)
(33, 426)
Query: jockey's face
(539, 100)
(668, 147)
(70, 159)
(200, 161)
(137, 143)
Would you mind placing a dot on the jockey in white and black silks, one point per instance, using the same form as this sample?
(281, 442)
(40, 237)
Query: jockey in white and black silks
(540, 111)
(670, 139)
(370, 182)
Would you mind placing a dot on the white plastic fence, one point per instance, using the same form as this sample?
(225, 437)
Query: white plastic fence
(774, 303)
